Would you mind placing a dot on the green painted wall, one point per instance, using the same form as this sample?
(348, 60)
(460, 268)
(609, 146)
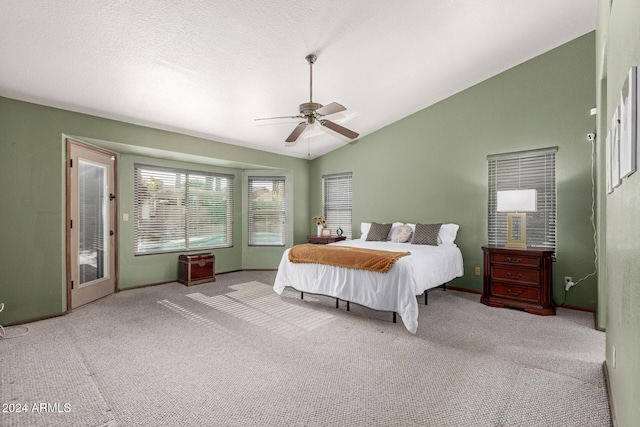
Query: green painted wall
(432, 167)
(618, 49)
(32, 200)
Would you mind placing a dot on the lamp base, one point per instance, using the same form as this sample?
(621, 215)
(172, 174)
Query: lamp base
(516, 230)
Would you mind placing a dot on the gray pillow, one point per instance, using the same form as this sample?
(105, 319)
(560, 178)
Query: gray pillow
(426, 234)
(378, 232)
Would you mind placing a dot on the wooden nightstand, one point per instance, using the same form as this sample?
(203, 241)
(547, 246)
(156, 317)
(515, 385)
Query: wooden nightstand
(519, 278)
(319, 240)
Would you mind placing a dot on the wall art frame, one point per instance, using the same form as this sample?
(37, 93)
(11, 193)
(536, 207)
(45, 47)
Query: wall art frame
(628, 122)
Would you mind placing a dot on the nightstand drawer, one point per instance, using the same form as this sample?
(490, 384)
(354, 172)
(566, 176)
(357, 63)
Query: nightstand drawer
(520, 276)
(520, 293)
(515, 259)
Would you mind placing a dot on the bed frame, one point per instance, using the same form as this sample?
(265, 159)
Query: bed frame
(426, 302)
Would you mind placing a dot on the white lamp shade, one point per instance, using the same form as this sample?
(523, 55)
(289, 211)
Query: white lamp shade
(517, 201)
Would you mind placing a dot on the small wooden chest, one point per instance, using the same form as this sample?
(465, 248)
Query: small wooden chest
(196, 268)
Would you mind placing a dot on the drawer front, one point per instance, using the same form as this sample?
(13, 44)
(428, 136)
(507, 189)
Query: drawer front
(520, 276)
(514, 259)
(519, 293)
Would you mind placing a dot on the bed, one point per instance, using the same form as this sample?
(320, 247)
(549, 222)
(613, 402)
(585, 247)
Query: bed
(427, 266)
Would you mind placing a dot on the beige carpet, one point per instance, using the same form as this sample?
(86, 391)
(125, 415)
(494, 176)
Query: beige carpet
(234, 353)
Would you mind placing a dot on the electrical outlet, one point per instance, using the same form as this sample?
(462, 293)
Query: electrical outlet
(568, 282)
(477, 271)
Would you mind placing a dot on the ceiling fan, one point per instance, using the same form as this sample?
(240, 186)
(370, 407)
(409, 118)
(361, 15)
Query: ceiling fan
(312, 112)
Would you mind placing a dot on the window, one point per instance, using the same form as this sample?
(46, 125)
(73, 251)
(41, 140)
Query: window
(178, 210)
(266, 211)
(535, 169)
(337, 198)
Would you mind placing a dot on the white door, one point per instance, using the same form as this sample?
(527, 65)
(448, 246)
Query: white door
(91, 220)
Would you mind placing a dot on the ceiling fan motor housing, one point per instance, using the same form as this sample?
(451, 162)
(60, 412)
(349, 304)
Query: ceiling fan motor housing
(309, 108)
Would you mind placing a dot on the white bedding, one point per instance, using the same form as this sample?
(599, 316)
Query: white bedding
(427, 267)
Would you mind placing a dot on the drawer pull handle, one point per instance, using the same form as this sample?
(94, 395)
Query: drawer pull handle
(512, 276)
(515, 294)
(514, 260)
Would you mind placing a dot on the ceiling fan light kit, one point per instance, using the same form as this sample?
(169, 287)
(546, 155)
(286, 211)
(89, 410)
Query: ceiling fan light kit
(313, 111)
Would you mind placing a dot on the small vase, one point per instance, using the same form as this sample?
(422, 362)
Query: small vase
(320, 230)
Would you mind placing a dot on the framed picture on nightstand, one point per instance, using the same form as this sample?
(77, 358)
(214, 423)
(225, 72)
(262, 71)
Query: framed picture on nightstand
(326, 232)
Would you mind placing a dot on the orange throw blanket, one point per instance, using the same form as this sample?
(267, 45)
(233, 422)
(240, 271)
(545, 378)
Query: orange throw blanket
(345, 256)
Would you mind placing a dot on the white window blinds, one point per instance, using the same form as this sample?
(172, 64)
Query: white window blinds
(179, 210)
(338, 202)
(267, 211)
(534, 169)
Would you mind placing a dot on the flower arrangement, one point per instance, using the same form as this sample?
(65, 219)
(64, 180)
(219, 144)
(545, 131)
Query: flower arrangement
(320, 220)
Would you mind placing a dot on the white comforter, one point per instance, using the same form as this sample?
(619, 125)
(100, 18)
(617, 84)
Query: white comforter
(427, 267)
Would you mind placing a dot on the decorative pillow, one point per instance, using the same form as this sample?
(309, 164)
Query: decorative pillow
(426, 234)
(378, 232)
(401, 234)
(447, 234)
(393, 227)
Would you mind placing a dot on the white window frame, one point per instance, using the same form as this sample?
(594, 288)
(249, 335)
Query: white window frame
(337, 202)
(531, 169)
(187, 223)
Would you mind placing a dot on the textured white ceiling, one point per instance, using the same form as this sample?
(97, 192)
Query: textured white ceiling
(209, 68)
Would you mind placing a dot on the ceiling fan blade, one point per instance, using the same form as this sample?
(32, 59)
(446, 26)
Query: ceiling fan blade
(334, 107)
(340, 129)
(281, 117)
(297, 132)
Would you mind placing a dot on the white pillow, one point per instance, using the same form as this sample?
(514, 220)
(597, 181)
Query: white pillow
(364, 230)
(446, 235)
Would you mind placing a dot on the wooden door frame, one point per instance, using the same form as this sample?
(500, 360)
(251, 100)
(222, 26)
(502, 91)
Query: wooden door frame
(70, 142)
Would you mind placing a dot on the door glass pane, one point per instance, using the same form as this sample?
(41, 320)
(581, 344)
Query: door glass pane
(92, 216)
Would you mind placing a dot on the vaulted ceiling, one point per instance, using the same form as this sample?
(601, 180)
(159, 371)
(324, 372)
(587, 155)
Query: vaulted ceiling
(210, 68)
